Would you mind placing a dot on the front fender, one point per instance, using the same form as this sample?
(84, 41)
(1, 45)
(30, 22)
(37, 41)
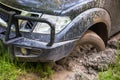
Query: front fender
(83, 22)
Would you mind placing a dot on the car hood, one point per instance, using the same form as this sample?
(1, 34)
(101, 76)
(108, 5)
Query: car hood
(41, 5)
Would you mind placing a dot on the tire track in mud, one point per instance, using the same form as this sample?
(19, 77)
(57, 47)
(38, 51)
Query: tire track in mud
(84, 66)
(87, 66)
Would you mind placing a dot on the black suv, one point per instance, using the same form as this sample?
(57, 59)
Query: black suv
(48, 30)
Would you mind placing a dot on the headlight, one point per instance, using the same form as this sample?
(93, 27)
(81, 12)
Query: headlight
(59, 21)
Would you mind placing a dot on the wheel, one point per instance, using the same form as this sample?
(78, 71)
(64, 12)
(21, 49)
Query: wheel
(90, 42)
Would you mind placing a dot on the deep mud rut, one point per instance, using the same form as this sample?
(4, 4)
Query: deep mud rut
(86, 66)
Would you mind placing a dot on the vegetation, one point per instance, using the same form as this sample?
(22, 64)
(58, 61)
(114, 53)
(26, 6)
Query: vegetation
(113, 72)
(12, 70)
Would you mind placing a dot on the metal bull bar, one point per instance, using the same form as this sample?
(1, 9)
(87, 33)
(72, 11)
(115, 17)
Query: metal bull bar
(13, 19)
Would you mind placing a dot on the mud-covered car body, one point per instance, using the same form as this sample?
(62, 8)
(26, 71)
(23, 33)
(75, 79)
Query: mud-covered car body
(101, 16)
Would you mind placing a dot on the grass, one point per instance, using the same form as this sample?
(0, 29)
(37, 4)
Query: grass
(113, 72)
(12, 70)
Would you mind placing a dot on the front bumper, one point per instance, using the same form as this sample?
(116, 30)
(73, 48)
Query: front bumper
(13, 19)
(54, 53)
(50, 51)
(47, 53)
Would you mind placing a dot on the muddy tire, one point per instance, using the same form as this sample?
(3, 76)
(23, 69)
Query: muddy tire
(93, 39)
(89, 42)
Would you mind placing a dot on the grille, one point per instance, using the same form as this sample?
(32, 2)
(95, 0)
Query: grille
(4, 17)
(28, 25)
(31, 24)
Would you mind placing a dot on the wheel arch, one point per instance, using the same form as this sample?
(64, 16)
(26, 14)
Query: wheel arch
(100, 29)
(95, 19)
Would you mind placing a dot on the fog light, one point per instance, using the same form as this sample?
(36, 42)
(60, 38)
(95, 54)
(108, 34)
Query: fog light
(24, 51)
(36, 52)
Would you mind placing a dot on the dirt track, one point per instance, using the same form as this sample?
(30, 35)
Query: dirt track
(83, 66)
(87, 66)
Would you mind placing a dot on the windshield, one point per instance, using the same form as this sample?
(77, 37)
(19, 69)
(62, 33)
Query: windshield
(41, 4)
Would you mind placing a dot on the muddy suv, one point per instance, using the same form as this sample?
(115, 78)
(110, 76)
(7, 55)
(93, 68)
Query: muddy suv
(48, 30)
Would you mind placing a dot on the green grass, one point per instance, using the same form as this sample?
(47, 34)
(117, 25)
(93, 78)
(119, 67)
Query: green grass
(11, 70)
(113, 72)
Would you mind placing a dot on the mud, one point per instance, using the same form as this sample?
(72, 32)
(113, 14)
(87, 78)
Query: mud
(84, 66)
(87, 66)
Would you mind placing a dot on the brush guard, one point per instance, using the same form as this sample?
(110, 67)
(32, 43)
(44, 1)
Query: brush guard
(13, 19)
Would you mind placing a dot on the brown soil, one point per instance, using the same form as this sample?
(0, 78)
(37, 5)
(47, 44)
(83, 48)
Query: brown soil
(84, 66)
